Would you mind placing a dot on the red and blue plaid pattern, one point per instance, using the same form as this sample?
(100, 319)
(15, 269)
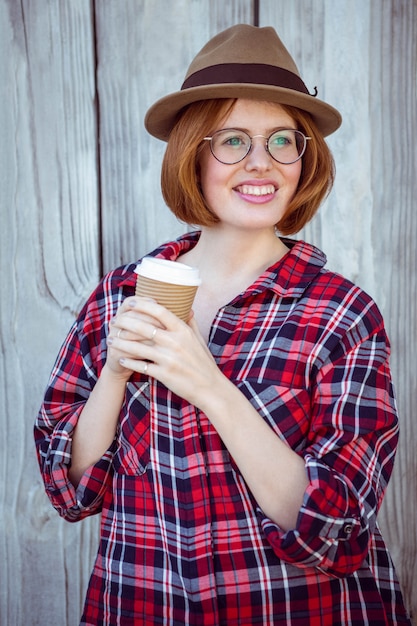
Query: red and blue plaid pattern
(183, 541)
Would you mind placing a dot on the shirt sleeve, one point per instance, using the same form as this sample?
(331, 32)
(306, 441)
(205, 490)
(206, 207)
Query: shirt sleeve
(73, 377)
(349, 453)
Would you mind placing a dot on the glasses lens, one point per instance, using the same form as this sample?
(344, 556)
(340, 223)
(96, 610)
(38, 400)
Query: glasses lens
(286, 146)
(230, 145)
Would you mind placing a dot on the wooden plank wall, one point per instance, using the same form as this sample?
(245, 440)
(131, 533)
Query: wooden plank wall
(80, 194)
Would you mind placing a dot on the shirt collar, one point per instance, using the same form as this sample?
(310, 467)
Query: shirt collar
(170, 251)
(289, 277)
(292, 274)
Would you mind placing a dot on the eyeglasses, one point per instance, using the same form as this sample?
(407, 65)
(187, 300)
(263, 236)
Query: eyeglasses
(230, 145)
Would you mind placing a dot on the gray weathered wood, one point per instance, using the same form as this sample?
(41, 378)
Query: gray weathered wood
(80, 194)
(49, 263)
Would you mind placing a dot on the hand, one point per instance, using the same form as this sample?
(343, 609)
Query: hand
(152, 340)
(123, 331)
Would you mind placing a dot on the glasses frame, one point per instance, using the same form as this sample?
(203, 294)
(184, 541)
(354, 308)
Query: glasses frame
(267, 138)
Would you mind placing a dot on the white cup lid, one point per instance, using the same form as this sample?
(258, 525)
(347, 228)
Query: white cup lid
(168, 271)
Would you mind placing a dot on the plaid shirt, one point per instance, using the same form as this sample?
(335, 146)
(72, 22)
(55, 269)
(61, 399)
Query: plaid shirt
(183, 542)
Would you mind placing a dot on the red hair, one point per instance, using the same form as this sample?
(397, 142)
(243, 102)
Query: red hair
(180, 168)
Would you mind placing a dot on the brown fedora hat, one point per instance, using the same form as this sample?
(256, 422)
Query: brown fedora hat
(242, 62)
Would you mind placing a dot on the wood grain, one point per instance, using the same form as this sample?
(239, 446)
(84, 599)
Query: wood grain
(49, 263)
(80, 195)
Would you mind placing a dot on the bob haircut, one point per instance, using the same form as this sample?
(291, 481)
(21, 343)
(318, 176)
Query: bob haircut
(180, 168)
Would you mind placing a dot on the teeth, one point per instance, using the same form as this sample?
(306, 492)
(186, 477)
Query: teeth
(257, 190)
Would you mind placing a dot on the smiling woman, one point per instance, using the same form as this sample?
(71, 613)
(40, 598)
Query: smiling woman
(231, 190)
(180, 168)
(239, 458)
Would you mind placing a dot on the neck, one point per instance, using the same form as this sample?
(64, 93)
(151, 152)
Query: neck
(224, 253)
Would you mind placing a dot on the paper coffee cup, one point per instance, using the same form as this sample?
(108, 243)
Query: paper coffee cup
(171, 284)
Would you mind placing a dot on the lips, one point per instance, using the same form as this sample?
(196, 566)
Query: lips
(256, 190)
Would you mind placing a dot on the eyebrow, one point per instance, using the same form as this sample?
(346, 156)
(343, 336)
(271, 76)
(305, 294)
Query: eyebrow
(246, 130)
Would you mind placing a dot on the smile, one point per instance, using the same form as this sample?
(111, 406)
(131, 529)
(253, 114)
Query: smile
(256, 190)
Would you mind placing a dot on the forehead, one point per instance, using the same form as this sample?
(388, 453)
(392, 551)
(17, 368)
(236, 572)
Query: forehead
(254, 113)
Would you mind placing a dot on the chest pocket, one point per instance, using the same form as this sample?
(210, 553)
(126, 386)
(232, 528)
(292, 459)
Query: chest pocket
(133, 448)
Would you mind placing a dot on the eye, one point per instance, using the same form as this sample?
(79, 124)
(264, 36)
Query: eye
(282, 139)
(232, 139)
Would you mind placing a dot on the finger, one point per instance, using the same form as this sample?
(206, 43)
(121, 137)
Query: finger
(160, 315)
(137, 349)
(124, 324)
(134, 365)
(118, 331)
(131, 302)
(134, 328)
(126, 310)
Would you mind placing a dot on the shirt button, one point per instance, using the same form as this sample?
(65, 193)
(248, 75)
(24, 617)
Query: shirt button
(347, 529)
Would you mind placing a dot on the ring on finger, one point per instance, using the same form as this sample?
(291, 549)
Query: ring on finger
(145, 369)
(119, 333)
(152, 337)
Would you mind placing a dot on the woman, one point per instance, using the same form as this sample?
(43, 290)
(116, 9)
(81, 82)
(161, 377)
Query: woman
(239, 460)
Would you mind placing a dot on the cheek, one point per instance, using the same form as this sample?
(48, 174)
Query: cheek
(209, 192)
(210, 186)
(210, 176)
(294, 177)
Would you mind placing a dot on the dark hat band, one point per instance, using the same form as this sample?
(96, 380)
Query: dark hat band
(254, 73)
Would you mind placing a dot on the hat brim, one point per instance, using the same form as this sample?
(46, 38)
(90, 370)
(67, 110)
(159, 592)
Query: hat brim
(162, 116)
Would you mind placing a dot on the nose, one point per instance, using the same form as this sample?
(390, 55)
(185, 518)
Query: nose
(258, 157)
